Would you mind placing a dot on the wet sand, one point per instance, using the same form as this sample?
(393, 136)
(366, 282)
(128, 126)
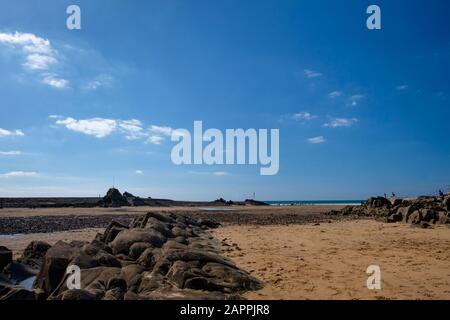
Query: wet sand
(17, 243)
(329, 261)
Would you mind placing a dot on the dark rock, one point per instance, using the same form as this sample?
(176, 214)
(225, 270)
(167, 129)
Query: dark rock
(208, 223)
(77, 294)
(378, 202)
(446, 203)
(16, 294)
(396, 202)
(114, 198)
(126, 238)
(112, 230)
(5, 257)
(395, 217)
(56, 261)
(159, 226)
(138, 248)
(34, 253)
(443, 217)
(147, 259)
(251, 202)
(107, 260)
(132, 275)
(18, 272)
(415, 217)
(424, 225)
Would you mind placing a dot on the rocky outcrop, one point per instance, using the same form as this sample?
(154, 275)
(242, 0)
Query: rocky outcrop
(422, 211)
(251, 202)
(156, 256)
(114, 198)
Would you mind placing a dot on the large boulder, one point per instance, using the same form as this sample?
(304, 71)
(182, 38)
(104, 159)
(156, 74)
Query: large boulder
(55, 263)
(378, 202)
(94, 280)
(126, 238)
(34, 253)
(112, 230)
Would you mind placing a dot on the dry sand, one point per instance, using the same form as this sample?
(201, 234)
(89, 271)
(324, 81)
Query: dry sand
(329, 261)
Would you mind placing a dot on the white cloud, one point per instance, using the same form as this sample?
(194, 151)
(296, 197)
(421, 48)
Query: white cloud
(316, 140)
(39, 55)
(8, 133)
(155, 139)
(14, 174)
(401, 87)
(103, 80)
(311, 73)
(167, 131)
(340, 122)
(11, 153)
(159, 133)
(132, 129)
(139, 172)
(37, 61)
(355, 99)
(97, 127)
(303, 116)
(220, 173)
(53, 81)
(335, 94)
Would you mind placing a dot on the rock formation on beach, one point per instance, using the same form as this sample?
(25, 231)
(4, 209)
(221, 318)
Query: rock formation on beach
(422, 211)
(156, 256)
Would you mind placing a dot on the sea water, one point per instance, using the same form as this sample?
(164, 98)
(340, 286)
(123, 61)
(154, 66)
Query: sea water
(314, 202)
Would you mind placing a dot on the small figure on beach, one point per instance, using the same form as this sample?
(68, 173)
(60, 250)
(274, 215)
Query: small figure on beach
(441, 194)
(393, 195)
(385, 195)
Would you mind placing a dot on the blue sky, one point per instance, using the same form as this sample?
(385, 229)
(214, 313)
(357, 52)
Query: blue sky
(359, 112)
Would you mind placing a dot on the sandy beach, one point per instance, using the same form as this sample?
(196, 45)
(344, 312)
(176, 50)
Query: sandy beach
(297, 251)
(329, 261)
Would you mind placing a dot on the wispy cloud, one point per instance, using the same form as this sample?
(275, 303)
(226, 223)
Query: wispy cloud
(38, 54)
(316, 140)
(139, 172)
(11, 153)
(155, 139)
(335, 94)
(341, 122)
(101, 81)
(158, 133)
(305, 116)
(220, 173)
(401, 87)
(208, 173)
(8, 133)
(310, 74)
(14, 174)
(55, 82)
(356, 99)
